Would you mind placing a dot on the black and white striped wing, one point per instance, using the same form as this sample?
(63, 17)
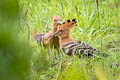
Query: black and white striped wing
(78, 48)
(39, 39)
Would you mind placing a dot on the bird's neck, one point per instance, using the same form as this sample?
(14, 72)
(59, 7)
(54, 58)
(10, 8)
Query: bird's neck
(64, 40)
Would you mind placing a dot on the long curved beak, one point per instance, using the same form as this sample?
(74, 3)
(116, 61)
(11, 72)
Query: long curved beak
(59, 22)
(51, 35)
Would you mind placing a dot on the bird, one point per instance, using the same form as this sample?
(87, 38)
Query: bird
(53, 41)
(72, 46)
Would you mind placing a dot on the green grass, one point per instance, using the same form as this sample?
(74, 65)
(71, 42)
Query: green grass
(101, 32)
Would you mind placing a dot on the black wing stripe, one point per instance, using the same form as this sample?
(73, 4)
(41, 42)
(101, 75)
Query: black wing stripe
(69, 44)
(40, 39)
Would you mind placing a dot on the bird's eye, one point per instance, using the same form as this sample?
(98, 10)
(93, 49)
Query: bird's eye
(61, 30)
(55, 20)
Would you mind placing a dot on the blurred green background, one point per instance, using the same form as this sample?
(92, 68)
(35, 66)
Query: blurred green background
(21, 58)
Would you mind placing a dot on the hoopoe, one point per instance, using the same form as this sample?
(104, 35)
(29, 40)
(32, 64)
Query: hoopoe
(53, 41)
(69, 45)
